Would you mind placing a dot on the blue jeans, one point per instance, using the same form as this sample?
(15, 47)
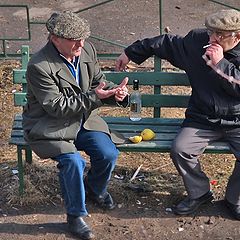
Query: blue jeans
(103, 155)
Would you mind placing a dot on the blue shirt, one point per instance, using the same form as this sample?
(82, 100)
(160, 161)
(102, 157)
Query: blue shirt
(73, 67)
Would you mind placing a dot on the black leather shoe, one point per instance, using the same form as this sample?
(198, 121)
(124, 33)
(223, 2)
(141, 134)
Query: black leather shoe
(188, 205)
(104, 201)
(234, 209)
(79, 228)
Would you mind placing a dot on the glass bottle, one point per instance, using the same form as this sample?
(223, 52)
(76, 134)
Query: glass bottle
(135, 102)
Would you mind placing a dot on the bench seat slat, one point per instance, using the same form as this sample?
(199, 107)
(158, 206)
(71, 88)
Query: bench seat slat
(165, 146)
(139, 128)
(17, 140)
(144, 121)
(17, 125)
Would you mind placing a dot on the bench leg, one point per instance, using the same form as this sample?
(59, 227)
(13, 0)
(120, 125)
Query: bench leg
(28, 155)
(28, 159)
(20, 170)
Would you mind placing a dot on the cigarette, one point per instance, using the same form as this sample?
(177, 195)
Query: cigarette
(206, 46)
(124, 92)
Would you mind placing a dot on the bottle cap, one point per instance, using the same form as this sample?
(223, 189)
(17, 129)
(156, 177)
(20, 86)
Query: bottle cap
(135, 84)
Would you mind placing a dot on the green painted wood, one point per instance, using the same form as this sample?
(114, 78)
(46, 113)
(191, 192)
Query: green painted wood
(20, 170)
(150, 78)
(25, 56)
(20, 99)
(19, 76)
(148, 100)
(164, 147)
(143, 121)
(18, 116)
(160, 100)
(137, 129)
(17, 125)
(145, 78)
(19, 141)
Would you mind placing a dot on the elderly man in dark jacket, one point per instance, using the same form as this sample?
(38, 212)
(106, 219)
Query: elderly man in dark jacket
(65, 89)
(211, 59)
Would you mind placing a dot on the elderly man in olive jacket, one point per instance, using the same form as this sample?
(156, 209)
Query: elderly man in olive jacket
(65, 89)
(211, 58)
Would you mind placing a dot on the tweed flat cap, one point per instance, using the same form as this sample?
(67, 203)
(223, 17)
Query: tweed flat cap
(68, 25)
(224, 20)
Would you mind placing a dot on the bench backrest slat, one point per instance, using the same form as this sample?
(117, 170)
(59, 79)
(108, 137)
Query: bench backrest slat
(150, 78)
(168, 101)
(20, 99)
(19, 76)
(145, 78)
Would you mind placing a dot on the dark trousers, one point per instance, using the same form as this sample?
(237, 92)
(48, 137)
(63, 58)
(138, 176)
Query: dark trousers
(189, 144)
(103, 155)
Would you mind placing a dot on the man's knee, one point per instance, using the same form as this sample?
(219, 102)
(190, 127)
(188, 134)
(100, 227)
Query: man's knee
(109, 155)
(71, 160)
(176, 147)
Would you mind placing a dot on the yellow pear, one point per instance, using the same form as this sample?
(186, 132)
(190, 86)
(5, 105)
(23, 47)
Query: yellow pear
(135, 139)
(148, 134)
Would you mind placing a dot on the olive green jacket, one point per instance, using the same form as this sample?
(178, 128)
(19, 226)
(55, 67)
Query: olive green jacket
(57, 106)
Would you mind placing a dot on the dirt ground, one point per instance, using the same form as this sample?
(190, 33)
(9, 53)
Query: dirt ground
(143, 205)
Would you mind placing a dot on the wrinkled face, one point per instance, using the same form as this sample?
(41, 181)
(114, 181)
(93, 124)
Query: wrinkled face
(67, 47)
(227, 40)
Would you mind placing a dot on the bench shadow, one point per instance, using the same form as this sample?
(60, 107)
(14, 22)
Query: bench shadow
(215, 209)
(21, 228)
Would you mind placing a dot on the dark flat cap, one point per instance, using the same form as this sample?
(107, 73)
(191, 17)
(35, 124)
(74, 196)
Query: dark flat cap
(224, 20)
(68, 25)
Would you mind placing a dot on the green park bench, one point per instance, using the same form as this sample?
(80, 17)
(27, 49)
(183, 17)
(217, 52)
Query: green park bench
(165, 128)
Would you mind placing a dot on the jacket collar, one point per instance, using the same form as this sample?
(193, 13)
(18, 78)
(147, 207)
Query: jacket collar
(235, 51)
(59, 68)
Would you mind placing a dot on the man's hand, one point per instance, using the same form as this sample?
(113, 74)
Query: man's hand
(101, 93)
(122, 90)
(215, 53)
(122, 62)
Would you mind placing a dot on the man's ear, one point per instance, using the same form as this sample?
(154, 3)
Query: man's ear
(237, 38)
(54, 39)
(238, 35)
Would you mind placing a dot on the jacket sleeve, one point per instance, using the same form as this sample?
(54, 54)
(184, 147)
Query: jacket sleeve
(99, 77)
(166, 46)
(231, 70)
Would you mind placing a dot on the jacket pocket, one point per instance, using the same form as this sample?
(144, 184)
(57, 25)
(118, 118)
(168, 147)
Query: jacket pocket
(48, 129)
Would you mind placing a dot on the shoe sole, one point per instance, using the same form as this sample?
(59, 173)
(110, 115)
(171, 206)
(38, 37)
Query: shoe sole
(235, 215)
(99, 205)
(83, 238)
(195, 209)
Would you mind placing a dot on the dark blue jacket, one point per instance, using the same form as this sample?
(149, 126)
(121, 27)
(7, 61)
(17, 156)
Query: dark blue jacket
(215, 102)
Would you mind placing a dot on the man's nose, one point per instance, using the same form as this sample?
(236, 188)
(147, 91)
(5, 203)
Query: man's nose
(212, 38)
